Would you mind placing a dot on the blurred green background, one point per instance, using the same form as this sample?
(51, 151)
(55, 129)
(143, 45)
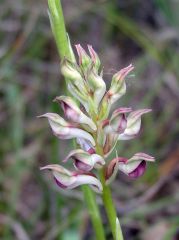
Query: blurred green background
(142, 32)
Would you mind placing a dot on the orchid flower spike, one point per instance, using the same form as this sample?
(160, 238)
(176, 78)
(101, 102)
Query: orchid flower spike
(89, 121)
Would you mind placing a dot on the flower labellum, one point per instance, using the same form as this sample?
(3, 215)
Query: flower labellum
(69, 180)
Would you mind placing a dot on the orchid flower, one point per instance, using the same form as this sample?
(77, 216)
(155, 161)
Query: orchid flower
(133, 167)
(85, 161)
(64, 130)
(69, 180)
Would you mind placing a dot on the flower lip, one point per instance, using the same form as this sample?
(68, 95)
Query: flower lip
(60, 184)
(139, 171)
(82, 166)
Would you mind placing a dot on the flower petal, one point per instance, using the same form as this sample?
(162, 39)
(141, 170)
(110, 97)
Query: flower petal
(63, 177)
(143, 156)
(94, 183)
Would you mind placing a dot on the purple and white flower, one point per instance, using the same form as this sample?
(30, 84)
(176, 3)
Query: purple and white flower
(85, 161)
(66, 179)
(133, 167)
(133, 124)
(65, 130)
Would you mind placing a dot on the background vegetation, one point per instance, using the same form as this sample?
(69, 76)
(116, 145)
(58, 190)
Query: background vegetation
(141, 32)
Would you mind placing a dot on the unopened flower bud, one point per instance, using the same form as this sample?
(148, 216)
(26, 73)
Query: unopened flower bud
(70, 71)
(79, 94)
(84, 161)
(66, 179)
(97, 86)
(118, 85)
(84, 59)
(95, 58)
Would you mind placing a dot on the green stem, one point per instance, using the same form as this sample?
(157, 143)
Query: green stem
(110, 209)
(64, 49)
(93, 212)
(58, 27)
(108, 202)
